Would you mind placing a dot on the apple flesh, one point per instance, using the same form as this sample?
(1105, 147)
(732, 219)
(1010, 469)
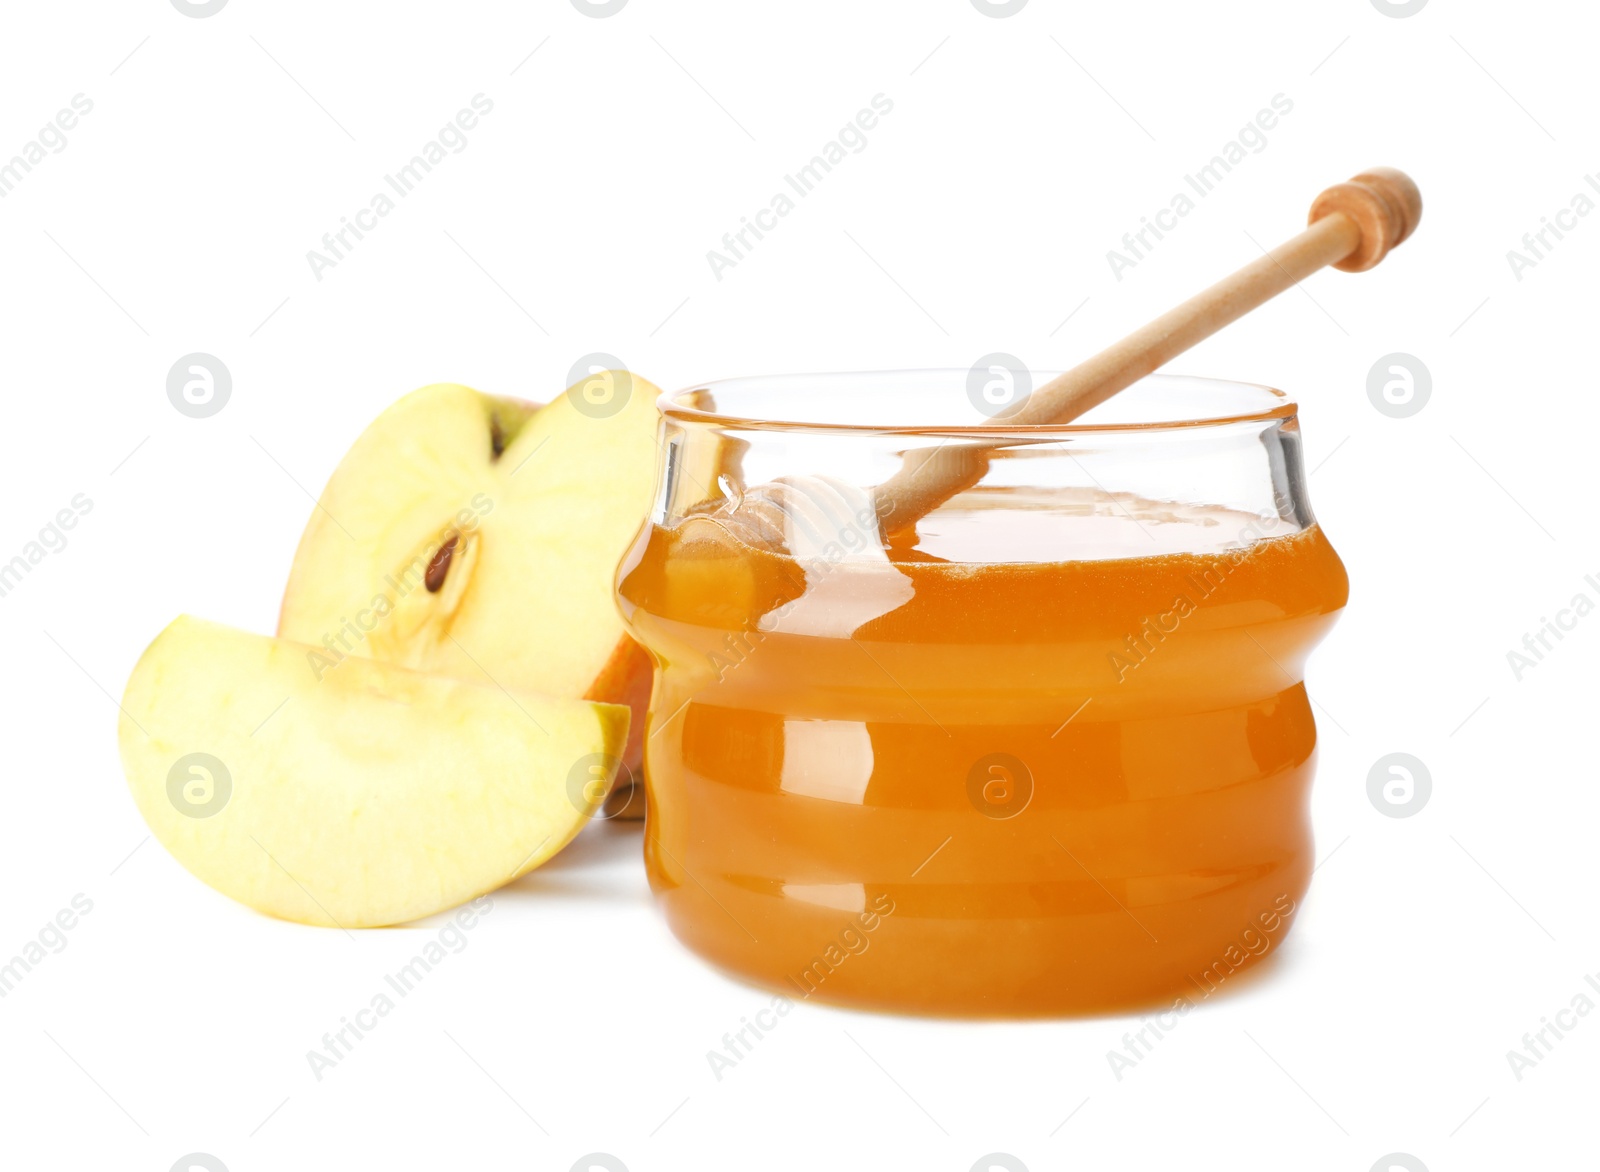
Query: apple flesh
(478, 537)
(365, 796)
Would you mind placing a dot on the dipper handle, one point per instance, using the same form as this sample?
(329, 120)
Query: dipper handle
(1352, 226)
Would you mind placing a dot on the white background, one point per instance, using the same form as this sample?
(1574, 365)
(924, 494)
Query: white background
(178, 218)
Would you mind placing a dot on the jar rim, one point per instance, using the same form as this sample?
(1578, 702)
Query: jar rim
(1250, 403)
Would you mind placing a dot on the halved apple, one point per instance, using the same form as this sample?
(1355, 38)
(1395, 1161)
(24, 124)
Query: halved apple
(366, 796)
(478, 538)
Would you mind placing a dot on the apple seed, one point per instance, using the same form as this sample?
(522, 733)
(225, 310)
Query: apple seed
(433, 579)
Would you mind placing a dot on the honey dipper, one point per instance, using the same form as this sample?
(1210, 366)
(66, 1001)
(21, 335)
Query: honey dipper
(1352, 226)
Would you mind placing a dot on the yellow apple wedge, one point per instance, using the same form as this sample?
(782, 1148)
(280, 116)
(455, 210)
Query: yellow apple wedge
(372, 795)
(478, 538)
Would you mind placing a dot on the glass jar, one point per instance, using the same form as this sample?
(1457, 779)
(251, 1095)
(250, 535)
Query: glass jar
(1046, 752)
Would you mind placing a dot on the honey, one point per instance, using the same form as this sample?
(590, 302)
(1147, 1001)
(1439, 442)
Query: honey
(928, 778)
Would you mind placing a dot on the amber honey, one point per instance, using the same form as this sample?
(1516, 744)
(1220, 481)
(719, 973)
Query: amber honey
(1022, 788)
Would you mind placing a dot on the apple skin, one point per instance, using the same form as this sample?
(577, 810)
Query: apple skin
(627, 678)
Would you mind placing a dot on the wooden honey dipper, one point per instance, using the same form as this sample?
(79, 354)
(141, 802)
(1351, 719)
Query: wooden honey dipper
(1352, 226)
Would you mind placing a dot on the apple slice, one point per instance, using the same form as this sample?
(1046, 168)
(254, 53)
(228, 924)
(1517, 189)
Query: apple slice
(373, 795)
(478, 538)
